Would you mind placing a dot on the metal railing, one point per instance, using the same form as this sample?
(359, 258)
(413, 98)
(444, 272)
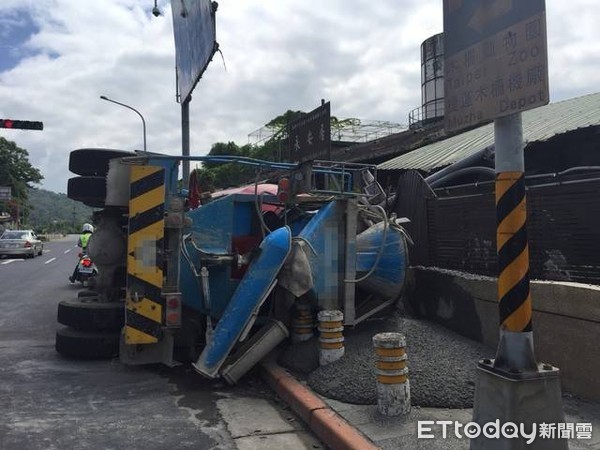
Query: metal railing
(430, 112)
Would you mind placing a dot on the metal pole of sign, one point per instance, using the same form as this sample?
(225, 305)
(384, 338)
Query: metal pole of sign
(185, 139)
(516, 333)
(513, 387)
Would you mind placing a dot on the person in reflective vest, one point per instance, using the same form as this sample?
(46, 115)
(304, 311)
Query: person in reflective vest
(84, 238)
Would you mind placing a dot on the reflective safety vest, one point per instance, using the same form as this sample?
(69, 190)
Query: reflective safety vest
(84, 239)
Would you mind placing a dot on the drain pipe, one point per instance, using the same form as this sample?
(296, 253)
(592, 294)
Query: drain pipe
(486, 171)
(486, 154)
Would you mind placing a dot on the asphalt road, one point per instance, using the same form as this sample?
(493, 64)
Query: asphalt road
(51, 402)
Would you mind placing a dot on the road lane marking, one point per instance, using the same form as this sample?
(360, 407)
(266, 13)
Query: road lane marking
(50, 260)
(11, 261)
(67, 251)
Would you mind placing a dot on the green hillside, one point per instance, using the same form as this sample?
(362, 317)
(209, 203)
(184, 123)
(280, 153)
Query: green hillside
(52, 212)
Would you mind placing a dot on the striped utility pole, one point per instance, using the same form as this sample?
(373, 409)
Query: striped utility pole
(513, 387)
(513, 252)
(516, 338)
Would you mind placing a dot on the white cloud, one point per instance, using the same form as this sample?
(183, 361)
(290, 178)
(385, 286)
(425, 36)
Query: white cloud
(361, 55)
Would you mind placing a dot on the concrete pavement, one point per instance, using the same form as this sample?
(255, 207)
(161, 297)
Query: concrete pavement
(255, 423)
(49, 402)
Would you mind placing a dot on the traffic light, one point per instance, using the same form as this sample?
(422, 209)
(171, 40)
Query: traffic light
(21, 124)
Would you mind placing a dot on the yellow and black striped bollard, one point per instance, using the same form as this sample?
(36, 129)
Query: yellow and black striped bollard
(302, 323)
(393, 387)
(331, 339)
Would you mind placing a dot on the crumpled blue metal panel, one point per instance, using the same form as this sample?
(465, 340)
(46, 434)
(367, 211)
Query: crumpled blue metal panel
(250, 294)
(213, 227)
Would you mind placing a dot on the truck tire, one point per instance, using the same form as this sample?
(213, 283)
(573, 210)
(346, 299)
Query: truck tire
(87, 314)
(87, 345)
(89, 190)
(93, 161)
(86, 293)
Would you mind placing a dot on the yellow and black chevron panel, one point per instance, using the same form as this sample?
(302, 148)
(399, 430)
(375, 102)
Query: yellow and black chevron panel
(513, 252)
(145, 304)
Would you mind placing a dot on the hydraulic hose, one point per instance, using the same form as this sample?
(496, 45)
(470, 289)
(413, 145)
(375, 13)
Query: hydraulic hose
(381, 248)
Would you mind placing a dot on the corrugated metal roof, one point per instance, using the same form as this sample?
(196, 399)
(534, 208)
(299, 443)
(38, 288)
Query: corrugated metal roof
(539, 124)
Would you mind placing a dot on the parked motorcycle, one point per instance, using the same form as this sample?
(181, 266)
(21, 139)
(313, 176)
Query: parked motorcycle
(85, 271)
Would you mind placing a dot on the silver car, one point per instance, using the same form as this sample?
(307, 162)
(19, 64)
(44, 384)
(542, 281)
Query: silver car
(20, 242)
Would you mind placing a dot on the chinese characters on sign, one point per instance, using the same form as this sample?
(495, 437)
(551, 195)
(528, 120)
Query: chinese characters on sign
(502, 73)
(310, 135)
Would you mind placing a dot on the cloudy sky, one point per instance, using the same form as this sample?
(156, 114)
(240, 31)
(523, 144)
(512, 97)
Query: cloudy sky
(58, 56)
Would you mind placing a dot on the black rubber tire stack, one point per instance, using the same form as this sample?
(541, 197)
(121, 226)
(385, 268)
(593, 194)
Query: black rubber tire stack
(87, 344)
(92, 328)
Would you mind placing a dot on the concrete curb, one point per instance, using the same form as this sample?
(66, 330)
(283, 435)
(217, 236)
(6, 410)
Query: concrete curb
(332, 429)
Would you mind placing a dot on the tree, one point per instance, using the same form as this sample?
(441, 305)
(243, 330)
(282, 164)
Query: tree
(215, 175)
(339, 125)
(279, 123)
(17, 172)
(206, 179)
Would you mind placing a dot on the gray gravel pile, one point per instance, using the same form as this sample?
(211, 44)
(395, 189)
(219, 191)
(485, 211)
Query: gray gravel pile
(441, 364)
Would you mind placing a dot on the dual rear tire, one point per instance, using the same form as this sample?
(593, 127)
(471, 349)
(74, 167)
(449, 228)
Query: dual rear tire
(87, 344)
(91, 164)
(92, 328)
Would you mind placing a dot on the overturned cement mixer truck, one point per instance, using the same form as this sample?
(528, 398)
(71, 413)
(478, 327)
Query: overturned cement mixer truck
(217, 279)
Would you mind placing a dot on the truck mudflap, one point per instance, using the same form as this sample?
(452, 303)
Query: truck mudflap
(251, 293)
(145, 303)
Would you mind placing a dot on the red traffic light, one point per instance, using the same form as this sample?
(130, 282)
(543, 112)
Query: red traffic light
(21, 124)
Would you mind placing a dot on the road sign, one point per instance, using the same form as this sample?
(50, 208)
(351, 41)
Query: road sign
(195, 45)
(310, 135)
(21, 124)
(496, 59)
(5, 193)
